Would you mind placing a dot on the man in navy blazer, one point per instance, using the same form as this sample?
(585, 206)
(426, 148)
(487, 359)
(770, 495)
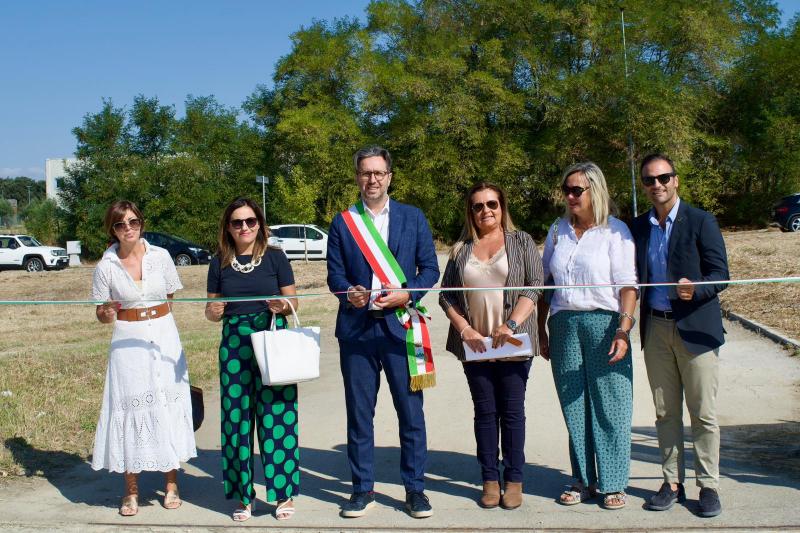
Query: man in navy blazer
(371, 338)
(681, 329)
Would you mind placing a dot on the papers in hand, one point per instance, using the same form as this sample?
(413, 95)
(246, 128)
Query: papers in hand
(519, 344)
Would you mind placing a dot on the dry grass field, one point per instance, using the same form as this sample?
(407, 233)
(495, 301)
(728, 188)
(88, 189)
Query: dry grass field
(53, 358)
(765, 254)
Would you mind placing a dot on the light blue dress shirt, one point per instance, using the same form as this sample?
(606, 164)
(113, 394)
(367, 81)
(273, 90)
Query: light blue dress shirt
(658, 297)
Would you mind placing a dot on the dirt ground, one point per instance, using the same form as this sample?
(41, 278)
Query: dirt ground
(765, 254)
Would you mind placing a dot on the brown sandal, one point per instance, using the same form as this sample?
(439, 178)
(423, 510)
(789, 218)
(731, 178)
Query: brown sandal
(129, 505)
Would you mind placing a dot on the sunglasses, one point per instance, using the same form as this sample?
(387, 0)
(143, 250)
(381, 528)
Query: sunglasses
(491, 204)
(134, 223)
(238, 223)
(663, 179)
(574, 191)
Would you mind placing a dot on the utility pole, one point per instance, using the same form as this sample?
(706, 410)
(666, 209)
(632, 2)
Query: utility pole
(630, 133)
(263, 180)
(29, 194)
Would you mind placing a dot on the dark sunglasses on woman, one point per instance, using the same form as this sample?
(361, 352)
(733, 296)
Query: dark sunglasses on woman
(574, 191)
(491, 204)
(134, 223)
(237, 223)
(663, 179)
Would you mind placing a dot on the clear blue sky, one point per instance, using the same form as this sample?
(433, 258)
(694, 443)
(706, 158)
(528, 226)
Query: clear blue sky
(59, 58)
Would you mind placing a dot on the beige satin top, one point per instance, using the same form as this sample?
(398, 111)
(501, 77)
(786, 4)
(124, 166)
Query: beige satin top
(486, 307)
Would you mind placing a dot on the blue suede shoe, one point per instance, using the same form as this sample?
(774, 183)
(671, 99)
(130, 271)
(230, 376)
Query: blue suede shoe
(359, 504)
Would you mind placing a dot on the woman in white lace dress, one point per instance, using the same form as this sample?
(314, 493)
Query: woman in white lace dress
(146, 419)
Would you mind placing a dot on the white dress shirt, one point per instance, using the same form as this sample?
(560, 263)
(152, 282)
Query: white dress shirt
(381, 221)
(603, 255)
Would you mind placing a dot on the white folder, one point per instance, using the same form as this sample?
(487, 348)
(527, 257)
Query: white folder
(507, 350)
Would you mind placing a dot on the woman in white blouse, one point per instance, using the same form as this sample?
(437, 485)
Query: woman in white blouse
(589, 343)
(145, 422)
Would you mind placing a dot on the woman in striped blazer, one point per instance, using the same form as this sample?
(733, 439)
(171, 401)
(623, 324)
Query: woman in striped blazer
(491, 253)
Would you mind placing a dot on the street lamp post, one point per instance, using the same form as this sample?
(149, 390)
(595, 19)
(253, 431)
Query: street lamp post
(630, 132)
(263, 180)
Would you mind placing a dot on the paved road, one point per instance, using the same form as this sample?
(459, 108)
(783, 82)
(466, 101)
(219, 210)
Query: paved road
(759, 413)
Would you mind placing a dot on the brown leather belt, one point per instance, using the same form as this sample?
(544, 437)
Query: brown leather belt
(143, 313)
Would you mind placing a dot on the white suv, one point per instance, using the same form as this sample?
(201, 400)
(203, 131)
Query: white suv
(23, 251)
(299, 241)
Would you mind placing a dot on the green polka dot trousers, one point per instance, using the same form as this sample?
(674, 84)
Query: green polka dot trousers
(249, 406)
(596, 398)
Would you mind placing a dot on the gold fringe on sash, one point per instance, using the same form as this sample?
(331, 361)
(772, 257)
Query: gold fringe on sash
(423, 381)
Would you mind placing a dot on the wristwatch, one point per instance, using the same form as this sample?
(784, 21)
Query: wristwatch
(512, 325)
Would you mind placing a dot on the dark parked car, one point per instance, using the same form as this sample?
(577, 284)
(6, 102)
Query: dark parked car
(183, 252)
(787, 213)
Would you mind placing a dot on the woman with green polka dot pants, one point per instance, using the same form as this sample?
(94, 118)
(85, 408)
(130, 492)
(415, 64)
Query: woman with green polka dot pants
(248, 405)
(245, 266)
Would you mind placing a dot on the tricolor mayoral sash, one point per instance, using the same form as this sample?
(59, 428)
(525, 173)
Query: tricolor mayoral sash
(414, 318)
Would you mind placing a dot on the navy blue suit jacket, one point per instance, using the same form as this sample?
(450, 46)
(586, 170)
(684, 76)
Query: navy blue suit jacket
(411, 243)
(696, 252)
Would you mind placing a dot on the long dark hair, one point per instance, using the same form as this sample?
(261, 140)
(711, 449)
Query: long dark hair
(227, 246)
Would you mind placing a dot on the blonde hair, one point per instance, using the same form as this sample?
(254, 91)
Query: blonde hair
(470, 230)
(602, 205)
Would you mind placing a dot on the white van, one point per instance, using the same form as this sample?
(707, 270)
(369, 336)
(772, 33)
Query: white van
(300, 241)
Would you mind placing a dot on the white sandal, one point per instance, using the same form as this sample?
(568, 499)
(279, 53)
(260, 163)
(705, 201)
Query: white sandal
(244, 513)
(576, 495)
(283, 511)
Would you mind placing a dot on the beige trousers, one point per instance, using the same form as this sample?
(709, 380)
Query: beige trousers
(674, 372)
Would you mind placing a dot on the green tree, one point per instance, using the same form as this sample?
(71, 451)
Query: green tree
(6, 211)
(759, 113)
(42, 220)
(310, 121)
(19, 187)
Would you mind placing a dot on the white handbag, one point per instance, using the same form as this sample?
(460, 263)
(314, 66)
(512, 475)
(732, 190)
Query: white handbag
(286, 356)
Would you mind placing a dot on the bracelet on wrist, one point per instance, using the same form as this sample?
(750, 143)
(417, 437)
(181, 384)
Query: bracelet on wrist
(625, 314)
(465, 328)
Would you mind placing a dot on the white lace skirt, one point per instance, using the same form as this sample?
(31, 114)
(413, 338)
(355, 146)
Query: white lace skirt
(146, 419)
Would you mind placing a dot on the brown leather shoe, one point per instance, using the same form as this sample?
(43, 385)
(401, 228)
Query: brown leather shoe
(512, 496)
(491, 495)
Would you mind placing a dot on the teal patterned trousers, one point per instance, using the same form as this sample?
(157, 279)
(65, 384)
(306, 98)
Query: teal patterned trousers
(596, 398)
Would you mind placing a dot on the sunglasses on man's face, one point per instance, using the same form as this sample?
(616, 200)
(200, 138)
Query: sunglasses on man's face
(574, 191)
(133, 223)
(663, 179)
(238, 223)
(478, 207)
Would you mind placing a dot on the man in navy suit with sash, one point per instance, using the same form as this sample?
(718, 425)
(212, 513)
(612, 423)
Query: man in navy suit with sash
(681, 329)
(381, 244)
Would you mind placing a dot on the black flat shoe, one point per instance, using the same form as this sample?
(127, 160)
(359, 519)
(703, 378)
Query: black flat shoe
(417, 505)
(665, 498)
(709, 503)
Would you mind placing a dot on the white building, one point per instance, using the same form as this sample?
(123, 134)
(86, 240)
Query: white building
(53, 170)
